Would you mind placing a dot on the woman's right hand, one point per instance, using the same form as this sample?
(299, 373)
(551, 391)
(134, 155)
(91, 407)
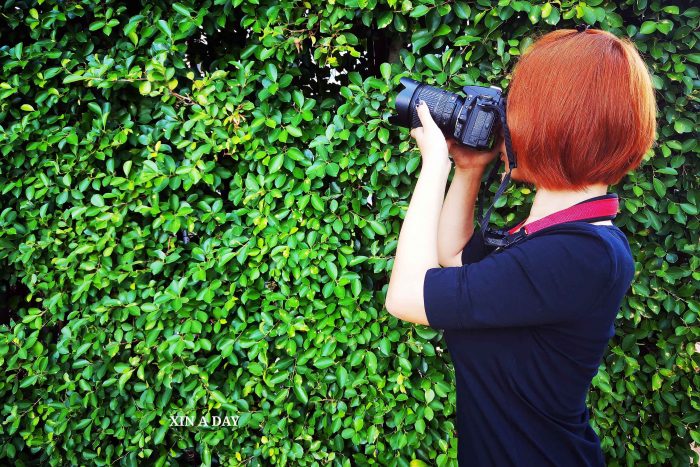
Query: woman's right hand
(468, 158)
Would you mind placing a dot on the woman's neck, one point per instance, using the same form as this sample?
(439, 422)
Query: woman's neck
(547, 202)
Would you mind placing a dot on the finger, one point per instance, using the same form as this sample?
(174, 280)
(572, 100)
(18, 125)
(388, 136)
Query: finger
(417, 132)
(424, 115)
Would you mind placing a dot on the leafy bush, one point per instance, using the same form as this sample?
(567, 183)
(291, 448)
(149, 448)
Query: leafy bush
(199, 205)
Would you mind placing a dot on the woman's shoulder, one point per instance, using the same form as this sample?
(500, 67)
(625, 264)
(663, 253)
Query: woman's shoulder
(580, 236)
(587, 243)
(608, 235)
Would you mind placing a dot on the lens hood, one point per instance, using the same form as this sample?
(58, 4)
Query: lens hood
(403, 103)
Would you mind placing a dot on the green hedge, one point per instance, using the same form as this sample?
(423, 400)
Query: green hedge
(259, 128)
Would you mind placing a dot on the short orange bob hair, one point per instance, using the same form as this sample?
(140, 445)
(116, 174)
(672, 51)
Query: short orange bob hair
(581, 109)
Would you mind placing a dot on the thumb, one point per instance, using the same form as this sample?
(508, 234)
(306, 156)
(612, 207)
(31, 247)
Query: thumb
(424, 115)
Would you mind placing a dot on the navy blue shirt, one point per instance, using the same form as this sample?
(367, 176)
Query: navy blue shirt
(527, 327)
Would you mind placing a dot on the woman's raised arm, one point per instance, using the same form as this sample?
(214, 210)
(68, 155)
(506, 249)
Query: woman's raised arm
(456, 224)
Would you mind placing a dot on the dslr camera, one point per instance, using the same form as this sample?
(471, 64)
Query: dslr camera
(472, 121)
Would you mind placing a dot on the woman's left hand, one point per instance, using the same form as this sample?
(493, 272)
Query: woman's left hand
(431, 141)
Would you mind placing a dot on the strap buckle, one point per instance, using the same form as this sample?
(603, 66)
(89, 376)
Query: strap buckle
(500, 238)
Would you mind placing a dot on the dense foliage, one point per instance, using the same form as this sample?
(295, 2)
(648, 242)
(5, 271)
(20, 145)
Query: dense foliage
(199, 205)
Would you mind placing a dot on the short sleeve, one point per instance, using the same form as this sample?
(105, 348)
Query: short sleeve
(544, 279)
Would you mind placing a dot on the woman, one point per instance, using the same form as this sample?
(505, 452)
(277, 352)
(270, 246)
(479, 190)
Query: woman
(527, 326)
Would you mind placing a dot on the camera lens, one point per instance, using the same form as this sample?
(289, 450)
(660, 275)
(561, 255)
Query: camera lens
(443, 105)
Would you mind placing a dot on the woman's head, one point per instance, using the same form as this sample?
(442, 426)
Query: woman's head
(581, 110)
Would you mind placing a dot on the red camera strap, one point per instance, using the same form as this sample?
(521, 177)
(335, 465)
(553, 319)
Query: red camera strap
(584, 211)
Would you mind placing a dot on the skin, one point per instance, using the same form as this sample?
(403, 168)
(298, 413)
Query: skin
(436, 228)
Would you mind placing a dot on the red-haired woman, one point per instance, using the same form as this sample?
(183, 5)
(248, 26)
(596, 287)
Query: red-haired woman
(527, 326)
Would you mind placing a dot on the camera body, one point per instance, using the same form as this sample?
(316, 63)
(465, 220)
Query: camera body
(471, 120)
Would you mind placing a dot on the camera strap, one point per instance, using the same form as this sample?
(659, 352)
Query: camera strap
(500, 109)
(594, 209)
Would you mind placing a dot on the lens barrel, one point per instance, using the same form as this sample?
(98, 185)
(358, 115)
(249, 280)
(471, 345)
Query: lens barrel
(443, 105)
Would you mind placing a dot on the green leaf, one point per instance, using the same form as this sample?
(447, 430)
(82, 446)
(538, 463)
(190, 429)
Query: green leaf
(413, 164)
(276, 163)
(419, 39)
(96, 25)
(385, 69)
(301, 394)
(27, 108)
(294, 131)
(695, 58)
(97, 200)
(371, 362)
(377, 227)
(206, 455)
(535, 12)
(341, 375)
(400, 23)
(443, 30)
(183, 10)
(271, 71)
(82, 424)
(546, 10)
(683, 125)
(671, 9)
(255, 368)
(123, 379)
(384, 19)
(553, 18)
(218, 396)
(163, 26)
(418, 11)
(332, 270)
(689, 208)
(588, 15)
(464, 40)
(323, 363)
(317, 202)
(664, 26)
(647, 27)
(73, 78)
(332, 169)
(95, 108)
(462, 10)
(432, 62)
(28, 381)
(693, 433)
(160, 434)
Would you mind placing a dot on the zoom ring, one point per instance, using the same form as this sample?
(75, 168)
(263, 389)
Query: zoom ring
(441, 104)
